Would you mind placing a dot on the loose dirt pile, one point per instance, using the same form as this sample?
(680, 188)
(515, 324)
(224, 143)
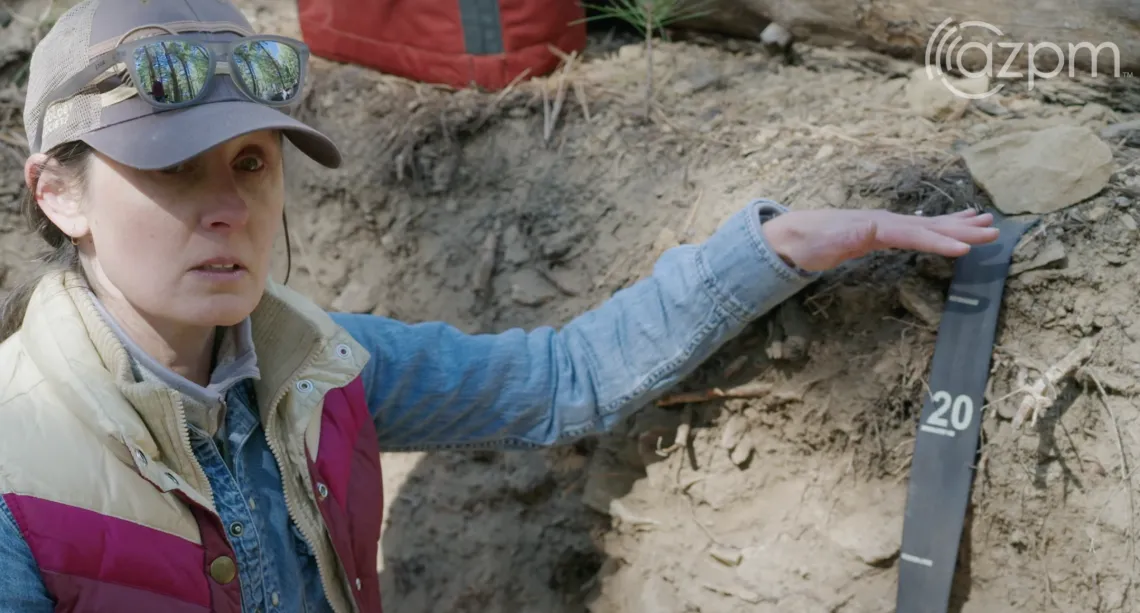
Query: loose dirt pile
(492, 211)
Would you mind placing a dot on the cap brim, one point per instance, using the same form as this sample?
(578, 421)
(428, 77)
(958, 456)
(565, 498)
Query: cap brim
(162, 140)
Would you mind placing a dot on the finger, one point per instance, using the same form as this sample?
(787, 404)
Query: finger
(982, 219)
(965, 233)
(970, 212)
(921, 239)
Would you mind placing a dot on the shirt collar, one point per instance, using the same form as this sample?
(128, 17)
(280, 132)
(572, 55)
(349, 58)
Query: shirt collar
(236, 361)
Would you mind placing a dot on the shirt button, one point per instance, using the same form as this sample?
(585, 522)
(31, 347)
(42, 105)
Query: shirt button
(236, 528)
(223, 570)
(252, 504)
(275, 599)
(358, 584)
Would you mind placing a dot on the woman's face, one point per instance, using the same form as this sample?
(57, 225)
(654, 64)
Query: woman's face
(187, 245)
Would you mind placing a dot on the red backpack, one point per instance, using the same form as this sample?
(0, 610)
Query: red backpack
(461, 43)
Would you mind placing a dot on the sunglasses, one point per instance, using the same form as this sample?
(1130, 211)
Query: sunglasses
(175, 71)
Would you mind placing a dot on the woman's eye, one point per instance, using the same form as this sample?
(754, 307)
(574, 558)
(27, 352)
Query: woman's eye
(250, 164)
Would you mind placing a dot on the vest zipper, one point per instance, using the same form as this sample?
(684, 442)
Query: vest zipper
(287, 484)
(184, 435)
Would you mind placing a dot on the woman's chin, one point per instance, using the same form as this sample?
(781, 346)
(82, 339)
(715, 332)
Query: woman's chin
(219, 309)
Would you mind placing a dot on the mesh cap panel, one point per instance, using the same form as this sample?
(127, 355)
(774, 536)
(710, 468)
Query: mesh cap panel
(59, 56)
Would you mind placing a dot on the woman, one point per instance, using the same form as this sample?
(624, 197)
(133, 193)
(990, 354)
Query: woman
(179, 433)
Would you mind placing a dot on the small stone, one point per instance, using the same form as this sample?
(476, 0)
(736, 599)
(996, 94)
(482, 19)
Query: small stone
(741, 453)
(990, 107)
(836, 195)
(1097, 212)
(630, 53)
(734, 431)
(699, 78)
(1128, 222)
(529, 288)
(1119, 131)
(1052, 255)
(356, 297)
(935, 98)
(922, 300)
(515, 250)
(776, 35)
(1091, 112)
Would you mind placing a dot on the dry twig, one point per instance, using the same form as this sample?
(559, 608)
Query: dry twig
(748, 390)
(1040, 396)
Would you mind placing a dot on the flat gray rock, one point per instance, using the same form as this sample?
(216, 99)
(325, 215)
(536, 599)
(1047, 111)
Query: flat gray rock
(1041, 171)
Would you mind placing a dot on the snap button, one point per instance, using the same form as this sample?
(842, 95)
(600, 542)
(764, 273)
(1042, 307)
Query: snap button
(236, 528)
(358, 584)
(172, 479)
(343, 351)
(223, 570)
(322, 491)
(141, 457)
(304, 386)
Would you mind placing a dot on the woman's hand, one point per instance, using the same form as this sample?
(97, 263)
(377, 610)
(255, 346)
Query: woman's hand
(819, 240)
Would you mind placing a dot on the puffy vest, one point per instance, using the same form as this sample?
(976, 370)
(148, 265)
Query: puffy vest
(98, 472)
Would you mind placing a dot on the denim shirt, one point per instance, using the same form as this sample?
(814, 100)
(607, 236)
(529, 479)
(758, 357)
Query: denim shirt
(431, 386)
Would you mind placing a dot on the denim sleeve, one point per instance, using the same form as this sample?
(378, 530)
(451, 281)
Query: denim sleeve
(431, 386)
(21, 589)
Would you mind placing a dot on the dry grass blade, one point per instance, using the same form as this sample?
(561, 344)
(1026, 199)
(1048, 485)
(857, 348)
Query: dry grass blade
(551, 114)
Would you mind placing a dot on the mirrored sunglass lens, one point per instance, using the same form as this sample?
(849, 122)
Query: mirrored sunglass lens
(269, 70)
(172, 71)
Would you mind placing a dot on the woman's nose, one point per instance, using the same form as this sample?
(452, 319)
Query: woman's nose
(227, 213)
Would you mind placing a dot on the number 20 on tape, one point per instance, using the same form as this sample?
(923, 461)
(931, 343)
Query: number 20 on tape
(951, 414)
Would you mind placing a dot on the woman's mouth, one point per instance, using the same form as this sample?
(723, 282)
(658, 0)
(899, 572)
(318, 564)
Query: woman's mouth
(220, 270)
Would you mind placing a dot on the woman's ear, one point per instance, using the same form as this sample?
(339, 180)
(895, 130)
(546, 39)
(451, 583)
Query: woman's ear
(56, 194)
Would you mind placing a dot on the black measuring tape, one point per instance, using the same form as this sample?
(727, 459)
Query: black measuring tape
(946, 444)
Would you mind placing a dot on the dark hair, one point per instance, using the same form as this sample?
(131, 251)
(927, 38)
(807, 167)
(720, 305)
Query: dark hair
(71, 161)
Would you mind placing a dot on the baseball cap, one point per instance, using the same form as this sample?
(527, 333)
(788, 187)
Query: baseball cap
(131, 131)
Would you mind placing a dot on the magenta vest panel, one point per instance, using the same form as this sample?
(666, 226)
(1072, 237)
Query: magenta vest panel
(94, 563)
(349, 489)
